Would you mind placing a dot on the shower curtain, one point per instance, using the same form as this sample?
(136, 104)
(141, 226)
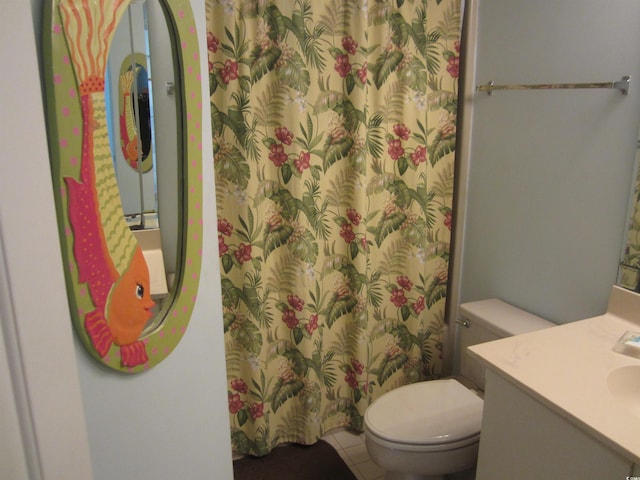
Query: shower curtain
(334, 129)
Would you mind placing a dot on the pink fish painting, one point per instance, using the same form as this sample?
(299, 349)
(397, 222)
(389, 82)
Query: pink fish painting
(109, 259)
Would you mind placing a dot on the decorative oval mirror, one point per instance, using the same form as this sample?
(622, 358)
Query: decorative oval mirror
(129, 310)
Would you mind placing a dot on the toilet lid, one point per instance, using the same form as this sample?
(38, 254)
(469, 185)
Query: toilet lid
(426, 413)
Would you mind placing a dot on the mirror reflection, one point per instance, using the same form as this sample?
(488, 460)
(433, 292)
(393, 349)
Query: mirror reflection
(142, 119)
(629, 270)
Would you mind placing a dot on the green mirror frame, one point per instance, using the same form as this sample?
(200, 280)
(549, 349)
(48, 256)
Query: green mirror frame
(76, 41)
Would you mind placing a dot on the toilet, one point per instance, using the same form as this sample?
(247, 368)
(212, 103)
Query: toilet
(429, 430)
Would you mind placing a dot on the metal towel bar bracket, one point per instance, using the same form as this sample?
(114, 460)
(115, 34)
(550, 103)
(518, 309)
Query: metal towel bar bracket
(622, 85)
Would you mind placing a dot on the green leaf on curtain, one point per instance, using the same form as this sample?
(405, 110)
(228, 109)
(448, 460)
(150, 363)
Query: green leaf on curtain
(401, 191)
(252, 300)
(285, 169)
(305, 248)
(288, 203)
(353, 250)
(400, 29)
(242, 416)
(334, 151)
(435, 292)
(233, 167)
(227, 262)
(424, 199)
(405, 312)
(388, 225)
(248, 337)
(262, 62)
(356, 279)
(240, 441)
(432, 53)
(390, 365)
(230, 293)
(284, 391)
(441, 147)
(403, 336)
(276, 238)
(443, 99)
(297, 334)
(438, 249)
(379, 182)
(414, 234)
(338, 308)
(350, 82)
(414, 75)
(227, 320)
(402, 165)
(276, 21)
(374, 142)
(417, 30)
(294, 73)
(386, 63)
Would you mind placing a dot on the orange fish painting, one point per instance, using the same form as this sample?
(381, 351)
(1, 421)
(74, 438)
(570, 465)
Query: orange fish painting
(107, 254)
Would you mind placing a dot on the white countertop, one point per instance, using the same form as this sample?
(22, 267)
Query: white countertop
(566, 368)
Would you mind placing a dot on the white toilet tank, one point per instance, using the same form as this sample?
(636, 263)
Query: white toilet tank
(487, 320)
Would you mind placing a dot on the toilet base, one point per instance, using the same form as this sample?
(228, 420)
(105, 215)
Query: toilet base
(410, 476)
(466, 475)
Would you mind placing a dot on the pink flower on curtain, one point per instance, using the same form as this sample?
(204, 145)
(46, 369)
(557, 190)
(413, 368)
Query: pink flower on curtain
(243, 254)
(289, 318)
(354, 216)
(224, 227)
(401, 130)
(398, 298)
(284, 135)
(418, 306)
(448, 219)
(212, 42)
(395, 148)
(239, 385)
(342, 66)
(229, 71)
(405, 282)
(453, 62)
(235, 404)
(277, 155)
(453, 66)
(351, 379)
(346, 232)
(357, 366)
(222, 247)
(296, 302)
(256, 410)
(312, 325)
(419, 155)
(349, 44)
(362, 73)
(302, 162)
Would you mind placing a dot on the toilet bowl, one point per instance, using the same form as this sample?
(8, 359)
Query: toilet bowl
(429, 430)
(424, 430)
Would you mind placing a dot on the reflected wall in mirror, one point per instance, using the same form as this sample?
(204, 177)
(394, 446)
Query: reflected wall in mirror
(629, 269)
(107, 264)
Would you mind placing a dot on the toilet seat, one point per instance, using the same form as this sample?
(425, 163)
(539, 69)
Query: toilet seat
(433, 415)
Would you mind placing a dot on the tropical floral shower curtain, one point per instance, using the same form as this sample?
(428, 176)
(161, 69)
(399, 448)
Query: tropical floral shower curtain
(334, 127)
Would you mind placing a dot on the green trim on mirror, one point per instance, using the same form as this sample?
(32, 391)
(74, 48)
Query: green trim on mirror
(105, 268)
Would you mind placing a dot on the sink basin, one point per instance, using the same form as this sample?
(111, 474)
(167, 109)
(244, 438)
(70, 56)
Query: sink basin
(624, 385)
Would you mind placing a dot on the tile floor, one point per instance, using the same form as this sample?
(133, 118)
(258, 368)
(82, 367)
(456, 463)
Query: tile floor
(351, 448)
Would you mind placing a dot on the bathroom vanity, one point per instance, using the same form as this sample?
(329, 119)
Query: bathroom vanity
(561, 403)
